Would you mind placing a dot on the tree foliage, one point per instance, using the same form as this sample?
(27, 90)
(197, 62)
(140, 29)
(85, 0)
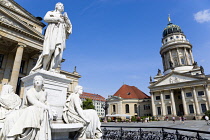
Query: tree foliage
(88, 104)
(207, 113)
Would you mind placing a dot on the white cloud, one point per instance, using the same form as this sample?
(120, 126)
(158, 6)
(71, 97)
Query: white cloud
(202, 16)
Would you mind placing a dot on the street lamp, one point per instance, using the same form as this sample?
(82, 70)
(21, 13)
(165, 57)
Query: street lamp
(105, 106)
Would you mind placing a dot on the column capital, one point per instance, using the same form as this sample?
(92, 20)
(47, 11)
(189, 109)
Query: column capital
(206, 85)
(20, 44)
(193, 87)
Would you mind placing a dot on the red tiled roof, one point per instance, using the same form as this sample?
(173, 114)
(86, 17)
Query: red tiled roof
(92, 96)
(130, 92)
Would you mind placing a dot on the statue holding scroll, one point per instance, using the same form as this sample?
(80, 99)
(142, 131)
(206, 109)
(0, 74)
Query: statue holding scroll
(58, 30)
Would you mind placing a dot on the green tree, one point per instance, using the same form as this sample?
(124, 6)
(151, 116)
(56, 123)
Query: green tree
(88, 104)
(207, 113)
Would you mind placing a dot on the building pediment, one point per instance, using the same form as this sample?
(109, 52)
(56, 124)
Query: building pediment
(10, 5)
(13, 21)
(175, 78)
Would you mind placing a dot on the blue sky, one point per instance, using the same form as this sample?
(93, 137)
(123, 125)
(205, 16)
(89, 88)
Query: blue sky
(116, 42)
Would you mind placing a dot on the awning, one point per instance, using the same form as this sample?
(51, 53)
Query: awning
(118, 115)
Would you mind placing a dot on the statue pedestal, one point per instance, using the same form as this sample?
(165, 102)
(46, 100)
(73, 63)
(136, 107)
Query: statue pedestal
(55, 85)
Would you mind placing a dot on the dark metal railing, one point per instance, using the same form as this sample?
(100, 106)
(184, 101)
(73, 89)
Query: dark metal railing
(145, 133)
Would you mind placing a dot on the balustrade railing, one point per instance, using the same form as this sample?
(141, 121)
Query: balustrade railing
(152, 133)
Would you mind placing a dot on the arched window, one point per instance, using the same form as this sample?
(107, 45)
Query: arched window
(182, 60)
(114, 108)
(135, 108)
(126, 108)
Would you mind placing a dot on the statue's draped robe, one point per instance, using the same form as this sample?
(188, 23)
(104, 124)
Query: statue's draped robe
(9, 101)
(55, 37)
(71, 115)
(29, 123)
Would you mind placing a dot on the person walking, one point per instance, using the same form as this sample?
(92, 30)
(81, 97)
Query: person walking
(183, 119)
(173, 118)
(180, 118)
(167, 118)
(207, 119)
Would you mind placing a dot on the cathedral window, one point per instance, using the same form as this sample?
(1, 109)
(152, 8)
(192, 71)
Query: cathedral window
(167, 96)
(182, 60)
(177, 36)
(127, 108)
(157, 97)
(159, 110)
(135, 108)
(188, 94)
(171, 38)
(1, 60)
(191, 109)
(175, 62)
(203, 108)
(200, 93)
(169, 110)
(114, 108)
(146, 107)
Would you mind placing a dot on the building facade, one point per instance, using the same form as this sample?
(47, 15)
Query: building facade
(21, 42)
(129, 100)
(183, 88)
(98, 102)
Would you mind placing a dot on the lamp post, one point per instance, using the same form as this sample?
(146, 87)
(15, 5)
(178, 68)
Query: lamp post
(105, 106)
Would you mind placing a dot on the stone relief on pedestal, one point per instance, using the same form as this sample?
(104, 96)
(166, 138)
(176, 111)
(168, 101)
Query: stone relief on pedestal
(58, 30)
(31, 122)
(73, 113)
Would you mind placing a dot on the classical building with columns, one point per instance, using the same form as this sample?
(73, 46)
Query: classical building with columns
(183, 88)
(129, 100)
(21, 42)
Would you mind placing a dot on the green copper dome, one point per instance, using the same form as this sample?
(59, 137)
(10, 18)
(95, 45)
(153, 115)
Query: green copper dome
(171, 28)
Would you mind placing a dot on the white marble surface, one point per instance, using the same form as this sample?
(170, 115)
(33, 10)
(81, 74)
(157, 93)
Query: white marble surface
(61, 127)
(58, 29)
(56, 87)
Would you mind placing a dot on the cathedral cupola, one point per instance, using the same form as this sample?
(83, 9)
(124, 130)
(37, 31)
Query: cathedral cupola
(176, 50)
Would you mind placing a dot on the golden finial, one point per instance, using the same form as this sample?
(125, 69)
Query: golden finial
(169, 18)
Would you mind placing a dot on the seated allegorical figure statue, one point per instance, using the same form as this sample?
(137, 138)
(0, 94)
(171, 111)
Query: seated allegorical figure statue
(73, 113)
(9, 101)
(31, 122)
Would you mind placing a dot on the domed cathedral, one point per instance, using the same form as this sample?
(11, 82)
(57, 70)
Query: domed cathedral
(183, 88)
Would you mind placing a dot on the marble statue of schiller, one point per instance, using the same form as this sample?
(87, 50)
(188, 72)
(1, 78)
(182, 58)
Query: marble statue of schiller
(58, 30)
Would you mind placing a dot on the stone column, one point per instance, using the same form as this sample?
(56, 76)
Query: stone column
(186, 57)
(153, 104)
(207, 96)
(8, 68)
(177, 50)
(166, 63)
(191, 56)
(119, 108)
(16, 65)
(163, 61)
(184, 102)
(173, 103)
(162, 103)
(196, 102)
(171, 59)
